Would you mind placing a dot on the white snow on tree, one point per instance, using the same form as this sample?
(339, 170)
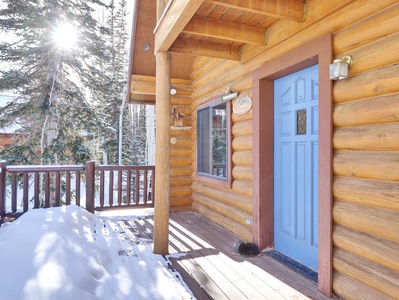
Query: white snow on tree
(51, 62)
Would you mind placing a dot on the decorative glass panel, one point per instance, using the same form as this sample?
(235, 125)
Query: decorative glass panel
(301, 122)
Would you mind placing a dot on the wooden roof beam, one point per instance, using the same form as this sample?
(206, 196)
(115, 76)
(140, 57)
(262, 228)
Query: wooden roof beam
(285, 9)
(145, 85)
(199, 48)
(142, 87)
(137, 99)
(225, 30)
(174, 18)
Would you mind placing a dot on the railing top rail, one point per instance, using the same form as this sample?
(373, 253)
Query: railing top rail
(47, 168)
(123, 168)
(71, 168)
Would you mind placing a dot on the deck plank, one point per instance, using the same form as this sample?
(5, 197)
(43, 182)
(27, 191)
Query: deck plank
(234, 274)
(254, 287)
(202, 279)
(191, 282)
(274, 268)
(201, 257)
(256, 278)
(256, 283)
(224, 283)
(211, 270)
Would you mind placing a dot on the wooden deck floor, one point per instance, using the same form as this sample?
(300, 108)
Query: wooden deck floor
(212, 272)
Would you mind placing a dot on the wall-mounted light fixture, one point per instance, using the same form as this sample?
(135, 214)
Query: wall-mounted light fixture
(172, 90)
(228, 95)
(339, 67)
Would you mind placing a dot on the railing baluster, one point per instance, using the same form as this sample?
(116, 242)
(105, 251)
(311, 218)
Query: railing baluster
(77, 181)
(47, 190)
(90, 185)
(14, 184)
(68, 188)
(36, 196)
(102, 180)
(25, 195)
(57, 189)
(137, 188)
(3, 169)
(153, 187)
(111, 188)
(128, 186)
(145, 187)
(120, 181)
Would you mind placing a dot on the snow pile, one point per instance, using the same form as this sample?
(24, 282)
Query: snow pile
(69, 253)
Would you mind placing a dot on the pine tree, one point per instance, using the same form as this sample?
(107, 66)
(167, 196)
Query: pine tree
(111, 99)
(55, 119)
(134, 137)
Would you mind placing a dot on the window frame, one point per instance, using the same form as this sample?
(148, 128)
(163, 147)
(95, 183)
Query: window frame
(225, 182)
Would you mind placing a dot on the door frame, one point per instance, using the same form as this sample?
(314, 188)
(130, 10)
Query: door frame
(318, 51)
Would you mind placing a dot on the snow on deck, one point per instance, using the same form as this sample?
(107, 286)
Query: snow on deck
(69, 253)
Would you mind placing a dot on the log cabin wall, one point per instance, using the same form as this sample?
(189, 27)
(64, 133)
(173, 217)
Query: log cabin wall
(366, 158)
(180, 151)
(365, 139)
(228, 207)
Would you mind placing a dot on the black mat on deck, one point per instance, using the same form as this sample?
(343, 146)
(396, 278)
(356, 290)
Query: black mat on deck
(293, 264)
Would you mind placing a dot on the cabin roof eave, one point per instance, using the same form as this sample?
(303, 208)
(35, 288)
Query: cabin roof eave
(201, 28)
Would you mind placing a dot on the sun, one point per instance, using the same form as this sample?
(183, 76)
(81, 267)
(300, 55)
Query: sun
(65, 36)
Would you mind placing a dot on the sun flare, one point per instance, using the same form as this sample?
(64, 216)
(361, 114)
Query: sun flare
(65, 36)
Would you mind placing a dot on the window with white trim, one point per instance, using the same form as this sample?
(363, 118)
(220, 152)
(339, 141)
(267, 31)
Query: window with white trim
(213, 142)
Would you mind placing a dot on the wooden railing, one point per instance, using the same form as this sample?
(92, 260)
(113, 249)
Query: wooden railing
(90, 186)
(135, 190)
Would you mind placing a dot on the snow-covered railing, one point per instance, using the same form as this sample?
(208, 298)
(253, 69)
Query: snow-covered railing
(93, 187)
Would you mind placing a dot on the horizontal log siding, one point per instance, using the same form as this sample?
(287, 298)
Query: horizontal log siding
(353, 289)
(180, 156)
(366, 182)
(378, 277)
(210, 200)
(366, 147)
(228, 207)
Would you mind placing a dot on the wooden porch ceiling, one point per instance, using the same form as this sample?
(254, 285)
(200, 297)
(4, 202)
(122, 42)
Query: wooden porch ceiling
(216, 23)
(194, 28)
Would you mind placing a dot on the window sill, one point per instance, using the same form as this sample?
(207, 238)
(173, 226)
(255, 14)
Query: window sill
(221, 182)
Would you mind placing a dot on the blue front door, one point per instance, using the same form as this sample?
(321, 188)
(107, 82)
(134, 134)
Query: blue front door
(295, 165)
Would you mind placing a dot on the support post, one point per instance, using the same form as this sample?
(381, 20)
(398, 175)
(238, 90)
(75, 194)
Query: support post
(162, 167)
(90, 182)
(3, 168)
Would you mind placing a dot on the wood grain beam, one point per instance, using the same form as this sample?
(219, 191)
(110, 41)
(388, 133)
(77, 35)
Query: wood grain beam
(162, 170)
(225, 30)
(142, 99)
(145, 85)
(142, 87)
(199, 48)
(174, 18)
(285, 9)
